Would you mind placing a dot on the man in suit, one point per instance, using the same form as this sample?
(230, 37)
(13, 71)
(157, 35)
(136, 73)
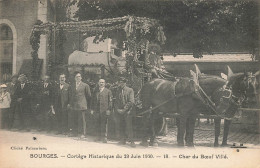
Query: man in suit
(61, 101)
(23, 102)
(101, 107)
(124, 112)
(45, 116)
(79, 104)
(11, 87)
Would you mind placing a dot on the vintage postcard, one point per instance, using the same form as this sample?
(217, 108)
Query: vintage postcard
(129, 83)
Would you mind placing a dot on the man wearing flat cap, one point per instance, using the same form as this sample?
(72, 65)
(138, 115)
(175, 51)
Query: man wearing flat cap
(124, 112)
(22, 100)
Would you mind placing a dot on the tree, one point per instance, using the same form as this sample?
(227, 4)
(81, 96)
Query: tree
(190, 26)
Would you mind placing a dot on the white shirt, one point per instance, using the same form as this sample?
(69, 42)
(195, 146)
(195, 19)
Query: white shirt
(61, 86)
(77, 85)
(5, 100)
(101, 89)
(45, 85)
(22, 85)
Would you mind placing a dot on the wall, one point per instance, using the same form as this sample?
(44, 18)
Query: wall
(22, 14)
(214, 68)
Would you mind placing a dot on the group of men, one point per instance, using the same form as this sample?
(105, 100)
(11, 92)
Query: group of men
(65, 108)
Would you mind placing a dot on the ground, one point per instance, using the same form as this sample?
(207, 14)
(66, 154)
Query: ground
(34, 149)
(205, 135)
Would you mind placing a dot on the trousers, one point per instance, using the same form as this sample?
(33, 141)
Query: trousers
(101, 124)
(124, 126)
(77, 122)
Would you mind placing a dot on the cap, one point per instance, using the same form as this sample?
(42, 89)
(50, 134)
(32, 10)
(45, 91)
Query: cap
(22, 76)
(249, 74)
(14, 76)
(122, 79)
(3, 86)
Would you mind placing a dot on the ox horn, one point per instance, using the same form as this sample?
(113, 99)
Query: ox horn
(195, 77)
(224, 76)
(257, 73)
(197, 70)
(230, 72)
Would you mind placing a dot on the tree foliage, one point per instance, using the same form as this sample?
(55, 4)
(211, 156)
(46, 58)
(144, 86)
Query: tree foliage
(190, 26)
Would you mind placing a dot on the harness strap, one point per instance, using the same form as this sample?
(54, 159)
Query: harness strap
(208, 101)
(174, 97)
(208, 98)
(151, 109)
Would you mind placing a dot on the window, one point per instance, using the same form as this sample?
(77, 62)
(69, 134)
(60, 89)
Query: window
(6, 52)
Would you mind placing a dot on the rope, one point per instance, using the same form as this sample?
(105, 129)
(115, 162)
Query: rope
(150, 110)
(250, 109)
(212, 105)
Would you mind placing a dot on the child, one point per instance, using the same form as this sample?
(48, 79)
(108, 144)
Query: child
(5, 101)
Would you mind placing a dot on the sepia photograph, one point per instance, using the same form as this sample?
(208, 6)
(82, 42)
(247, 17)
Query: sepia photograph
(130, 83)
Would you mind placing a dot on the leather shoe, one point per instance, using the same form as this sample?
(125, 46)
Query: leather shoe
(58, 133)
(104, 140)
(132, 144)
(122, 142)
(71, 135)
(144, 143)
(97, 139)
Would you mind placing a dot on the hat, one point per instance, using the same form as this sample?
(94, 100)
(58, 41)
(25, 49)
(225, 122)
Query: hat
(122, 79)
(14, 76)
(22, 76)
(154, 48)
(3, 86)
(249, 74)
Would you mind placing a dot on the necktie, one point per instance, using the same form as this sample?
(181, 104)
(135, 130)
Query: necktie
(122, 97)
(77, 85)
(61, 86)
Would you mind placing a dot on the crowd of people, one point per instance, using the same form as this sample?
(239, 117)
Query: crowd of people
(69, 109)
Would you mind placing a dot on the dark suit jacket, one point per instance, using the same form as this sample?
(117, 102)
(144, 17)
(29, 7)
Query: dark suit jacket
(61, 96)
(80, 97)
(11, 88)
(45, 95)
(102, 101)
(24, 93)
(124, 100)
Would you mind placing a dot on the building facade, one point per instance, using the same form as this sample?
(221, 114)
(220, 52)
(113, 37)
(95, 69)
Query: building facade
(17, 18)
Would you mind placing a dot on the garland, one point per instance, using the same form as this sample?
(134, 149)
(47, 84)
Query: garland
(60, 54)
(35, 43)
(138, 31)
(86, 65)
(50, 51)
(56, 39)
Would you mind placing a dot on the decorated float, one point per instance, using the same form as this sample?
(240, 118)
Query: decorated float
(126, 40)
(132, 35)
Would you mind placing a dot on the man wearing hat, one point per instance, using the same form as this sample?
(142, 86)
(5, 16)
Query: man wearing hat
(22, 100)
(154, 63)
(124, 112)
(250, 98)
(5, 101)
